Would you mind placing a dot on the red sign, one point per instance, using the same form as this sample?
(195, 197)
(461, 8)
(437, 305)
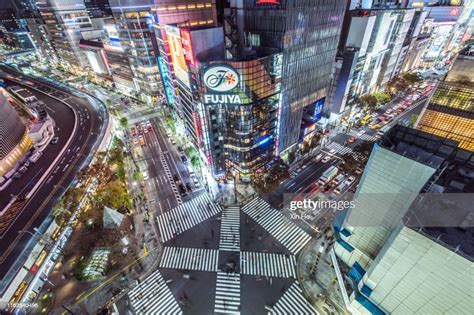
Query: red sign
(268, 1)
(187, 47)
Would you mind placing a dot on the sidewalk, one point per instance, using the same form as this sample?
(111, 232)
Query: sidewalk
(321, 289)
(226, 196)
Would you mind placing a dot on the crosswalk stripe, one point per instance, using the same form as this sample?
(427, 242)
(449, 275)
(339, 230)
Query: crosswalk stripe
(293, 302)
(202, 259)
(229, 239)
(339, 148)
(227, 293)
(153, 296)
(185, 216)
(280, 227)
(268, 264)
(364, 136)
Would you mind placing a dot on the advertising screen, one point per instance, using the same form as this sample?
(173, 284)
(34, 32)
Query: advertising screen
(318, 109)
(177, 54)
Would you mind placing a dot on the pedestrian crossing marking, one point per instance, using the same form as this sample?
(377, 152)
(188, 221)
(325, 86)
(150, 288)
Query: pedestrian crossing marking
(185, 216)
(227, 293)
(230, 229)
(201, 259)
(280, 227)
(153, 296)
(364, 137)
(339, 148)
(268, 264)
(293, 302)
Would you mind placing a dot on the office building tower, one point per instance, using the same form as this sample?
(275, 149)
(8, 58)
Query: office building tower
(371, 52)
(307, 35)
(14, 139)
(66, 21)
(444, 40)
(134, 23)
(450, 114)
(184, 15)
(406, 254)
(259, 114)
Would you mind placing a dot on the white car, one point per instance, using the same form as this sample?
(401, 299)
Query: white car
(326, 159)
(360, 133)
(350, 180)
(173, 141)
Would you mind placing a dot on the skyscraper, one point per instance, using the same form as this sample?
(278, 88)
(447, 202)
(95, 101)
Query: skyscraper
(450, 111)
(134, 25)
(410, 253)
(66, 20)
(244, 124)
(307, 35)
(372, 51)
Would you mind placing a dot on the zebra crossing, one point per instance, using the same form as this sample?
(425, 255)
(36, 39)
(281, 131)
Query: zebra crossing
(170, 178)
(280, 227)
(230, 229)
(293, 302)
(268, 264)
(364, 136)
(202, 259)
(186, 216)
(153, 296)
(339, 148)
(227, 293)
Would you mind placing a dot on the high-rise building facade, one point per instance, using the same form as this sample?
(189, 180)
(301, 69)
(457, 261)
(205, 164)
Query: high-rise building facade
(261, 116)
(307, 35)
(14, 139)
(406, 254)
(450, 114)
(134, 24)
(372, 51)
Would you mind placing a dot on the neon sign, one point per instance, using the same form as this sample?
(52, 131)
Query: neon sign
(221, 78)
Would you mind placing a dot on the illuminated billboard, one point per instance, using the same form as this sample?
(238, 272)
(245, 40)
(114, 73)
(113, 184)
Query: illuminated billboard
(187, 47)
(177, 54)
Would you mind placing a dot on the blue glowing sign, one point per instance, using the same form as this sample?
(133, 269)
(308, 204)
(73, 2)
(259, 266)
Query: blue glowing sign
(318, 109)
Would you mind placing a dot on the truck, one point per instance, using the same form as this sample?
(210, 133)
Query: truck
(328, 175)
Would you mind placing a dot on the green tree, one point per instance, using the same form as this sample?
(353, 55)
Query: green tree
(124, 122)
(413, 120)
(114, 194)
(368, 101)
(382, 97)
(411, 77)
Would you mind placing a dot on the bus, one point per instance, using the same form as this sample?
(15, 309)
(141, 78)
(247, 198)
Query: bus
(328, 175)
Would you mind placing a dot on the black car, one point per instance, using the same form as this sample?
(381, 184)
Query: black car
(183, 158)
(188, 186)
(182, 190)
(176, 179)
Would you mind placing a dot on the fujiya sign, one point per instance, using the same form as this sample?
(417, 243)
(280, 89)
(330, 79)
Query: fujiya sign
(222, 99)
(221, 78)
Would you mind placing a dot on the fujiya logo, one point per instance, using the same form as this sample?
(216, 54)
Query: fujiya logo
(221, 78)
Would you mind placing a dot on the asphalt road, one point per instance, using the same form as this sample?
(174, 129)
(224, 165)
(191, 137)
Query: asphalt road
(37, 208)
